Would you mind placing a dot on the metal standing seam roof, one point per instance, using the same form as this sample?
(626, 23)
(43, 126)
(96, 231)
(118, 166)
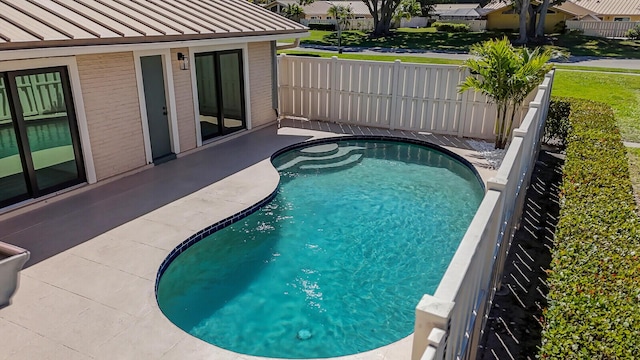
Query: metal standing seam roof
(453, 7)
(496, 5)
(321, 7)
(584, 7)
(48, 23)
(611, 7)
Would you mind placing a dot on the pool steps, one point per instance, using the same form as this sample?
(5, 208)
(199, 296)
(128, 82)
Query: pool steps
(325, 156)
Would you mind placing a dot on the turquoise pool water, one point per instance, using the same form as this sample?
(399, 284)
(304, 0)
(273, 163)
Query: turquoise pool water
(336, 263)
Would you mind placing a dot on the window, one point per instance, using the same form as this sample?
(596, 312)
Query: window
(220, 84)
(621, 19)
(39, 140)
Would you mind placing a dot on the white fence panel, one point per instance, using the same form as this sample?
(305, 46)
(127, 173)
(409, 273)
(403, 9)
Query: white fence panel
(416, 97)
(304, 87)
(351, 24)
(603, 28)
(414, 22)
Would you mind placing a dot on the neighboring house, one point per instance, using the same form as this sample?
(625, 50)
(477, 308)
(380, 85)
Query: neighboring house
(94, 90)
(318, 9)
(457, 11)
(501, 15)
(610, 10)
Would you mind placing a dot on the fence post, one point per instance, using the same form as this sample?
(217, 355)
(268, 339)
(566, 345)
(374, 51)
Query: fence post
(393, 117)
(463, 98)
(431, 314)
(333, 91)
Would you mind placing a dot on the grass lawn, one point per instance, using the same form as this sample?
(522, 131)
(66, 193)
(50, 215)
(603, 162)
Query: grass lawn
(621, 92)
(429, 39)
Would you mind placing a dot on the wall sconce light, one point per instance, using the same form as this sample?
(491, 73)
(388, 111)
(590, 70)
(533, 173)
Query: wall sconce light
(184, 61)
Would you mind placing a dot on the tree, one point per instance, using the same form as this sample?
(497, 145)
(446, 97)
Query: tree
(506, 75)
(532, 17)
(342, 14)
(522, 6)
(293, 12)
(382, 12)
(406, 10)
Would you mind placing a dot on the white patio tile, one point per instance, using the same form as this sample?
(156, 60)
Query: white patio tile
(88, 330)
(400, 350)
(179, 216)
(125, 255)
(152, 233)
(148, 337)
(21, 344)
(43, 308)
(192, 348)
(95, 281)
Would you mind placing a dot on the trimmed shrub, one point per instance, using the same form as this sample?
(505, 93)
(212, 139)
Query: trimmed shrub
(556, 128)
(450, 27)
(594, 281)
(634, 34)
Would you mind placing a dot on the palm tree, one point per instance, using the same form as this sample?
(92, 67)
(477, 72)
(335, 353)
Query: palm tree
(342, 14)
(506, 75)
(293, 12)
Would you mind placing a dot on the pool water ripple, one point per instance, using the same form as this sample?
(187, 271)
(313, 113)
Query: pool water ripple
(336, 263)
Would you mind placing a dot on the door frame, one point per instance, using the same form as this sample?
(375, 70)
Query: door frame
(170, 95)
(26, 154)
(194, 85)
(76, 99)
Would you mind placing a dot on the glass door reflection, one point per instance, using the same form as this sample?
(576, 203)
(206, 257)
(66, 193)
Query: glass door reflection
(13, 183)
(49, 129)
(220, 84)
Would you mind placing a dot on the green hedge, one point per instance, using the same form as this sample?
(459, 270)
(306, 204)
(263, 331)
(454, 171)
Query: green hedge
(594, 281)
(451, 27)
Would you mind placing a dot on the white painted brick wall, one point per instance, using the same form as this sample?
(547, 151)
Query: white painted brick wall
(113, 113)
(184, 101)
(260, 82)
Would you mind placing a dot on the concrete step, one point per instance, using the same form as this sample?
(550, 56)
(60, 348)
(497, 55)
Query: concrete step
(339, 155)
(340, 165)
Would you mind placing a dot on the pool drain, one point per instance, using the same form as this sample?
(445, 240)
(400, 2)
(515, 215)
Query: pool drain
(304, 334)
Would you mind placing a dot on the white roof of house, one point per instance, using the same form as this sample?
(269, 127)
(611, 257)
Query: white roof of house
(461, 13)
(320, 7)
(584, 7)
(49, 23)
(610, 7)
(438, 8)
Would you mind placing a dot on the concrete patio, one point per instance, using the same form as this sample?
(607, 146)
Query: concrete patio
(88, 290)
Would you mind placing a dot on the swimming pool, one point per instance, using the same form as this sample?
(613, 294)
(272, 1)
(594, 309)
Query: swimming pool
(335, 262)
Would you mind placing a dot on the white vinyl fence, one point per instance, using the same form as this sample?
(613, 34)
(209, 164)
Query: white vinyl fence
(352, 24)
(414, 22)
(607, 29)
(449, 323)
(415, 97)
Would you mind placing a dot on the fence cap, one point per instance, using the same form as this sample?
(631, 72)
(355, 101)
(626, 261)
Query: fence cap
(435, 307)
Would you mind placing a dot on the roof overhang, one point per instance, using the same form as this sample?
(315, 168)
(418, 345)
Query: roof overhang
(72, 50)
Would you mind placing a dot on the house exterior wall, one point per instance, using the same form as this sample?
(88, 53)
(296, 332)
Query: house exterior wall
(184, 102)
(112, 110)
(499, 21)
(260, 91)
(613, 17)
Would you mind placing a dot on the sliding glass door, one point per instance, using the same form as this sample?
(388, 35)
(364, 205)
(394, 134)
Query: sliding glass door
(220, 86)
(39, 141)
